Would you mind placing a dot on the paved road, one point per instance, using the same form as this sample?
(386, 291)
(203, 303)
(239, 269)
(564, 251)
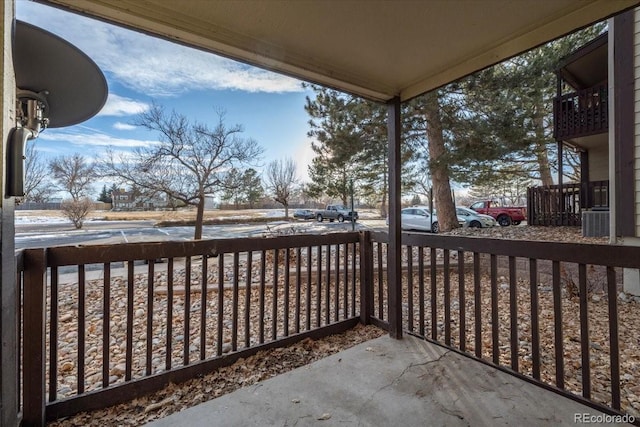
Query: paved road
(109, 232)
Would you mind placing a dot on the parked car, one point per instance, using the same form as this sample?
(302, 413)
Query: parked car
(304, 214)
(504, 215)
(420, 218)
(339, 212)
(474, 219)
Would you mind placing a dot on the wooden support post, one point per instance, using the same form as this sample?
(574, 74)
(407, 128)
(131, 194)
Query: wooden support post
(394, 256)
(35, 280)
(561, 203)
(366, 277)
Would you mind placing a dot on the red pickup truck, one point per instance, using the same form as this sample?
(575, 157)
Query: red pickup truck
(503, 215)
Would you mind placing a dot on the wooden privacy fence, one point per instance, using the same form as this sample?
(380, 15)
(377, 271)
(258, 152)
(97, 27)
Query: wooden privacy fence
(105, 324)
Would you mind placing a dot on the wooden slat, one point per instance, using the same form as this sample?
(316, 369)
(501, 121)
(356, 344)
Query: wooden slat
(336, 307)
(220, 322)
(345, 293)
(477, 305)
(187, 312)
(169, 333)
(308, 288)
(327, 295)
(204, 279)
(366, 278)
(287, 269)
(462, 302)
(535, 325)
(421, 289)
(614, 348)
(247, 301)
(82, 317)
(235, 301)
(319, 285)
(149, 337)
(106, 324)
(584, 332)
(274, 311)
(380, 284)
(513, 315)
(353, 279)
(263, 271)
(434, 295)
(447, 299)
(557, 324)
(495, 339)
(129, 337)
(410, 288)
(53, 337)
(298, 288)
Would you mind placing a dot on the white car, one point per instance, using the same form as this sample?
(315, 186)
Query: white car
(420, 218)
(474, 219)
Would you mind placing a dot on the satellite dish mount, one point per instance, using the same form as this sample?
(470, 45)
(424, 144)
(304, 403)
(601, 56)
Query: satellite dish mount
(57, 85)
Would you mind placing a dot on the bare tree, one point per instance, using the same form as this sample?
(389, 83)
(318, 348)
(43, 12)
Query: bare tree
(76, 210)
(281, 179)
(36, 187)
(74, 174)
(190, 160)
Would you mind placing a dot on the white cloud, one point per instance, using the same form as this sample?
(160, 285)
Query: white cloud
(123, 126)
(150, 65)
(94, 139)
(120, 106)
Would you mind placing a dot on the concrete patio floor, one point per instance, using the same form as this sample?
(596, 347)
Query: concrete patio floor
(386, 382)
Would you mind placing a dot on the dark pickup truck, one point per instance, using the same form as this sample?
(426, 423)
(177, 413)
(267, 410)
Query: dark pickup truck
(336, 212)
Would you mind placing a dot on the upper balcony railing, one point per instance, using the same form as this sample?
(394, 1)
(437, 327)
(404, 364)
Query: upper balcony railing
(581, 113)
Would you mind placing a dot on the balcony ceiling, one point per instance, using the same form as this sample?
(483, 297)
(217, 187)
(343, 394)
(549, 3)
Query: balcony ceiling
(587, 66)
(376, 49)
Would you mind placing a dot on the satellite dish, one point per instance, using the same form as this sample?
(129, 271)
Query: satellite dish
(74, 87)
(57, 86)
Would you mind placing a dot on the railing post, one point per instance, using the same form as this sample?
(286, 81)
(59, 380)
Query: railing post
(366, 277)
(34, 337)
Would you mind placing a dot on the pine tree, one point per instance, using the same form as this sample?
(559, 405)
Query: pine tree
(104, 196)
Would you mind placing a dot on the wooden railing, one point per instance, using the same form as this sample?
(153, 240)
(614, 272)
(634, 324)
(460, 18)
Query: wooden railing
(102, 327)
(549, 206)
(104, 324)
(545, 312)
(581, 113)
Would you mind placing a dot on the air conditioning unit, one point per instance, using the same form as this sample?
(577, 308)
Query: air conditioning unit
(595, 223)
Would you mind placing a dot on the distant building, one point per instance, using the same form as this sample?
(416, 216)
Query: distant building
(123, 200)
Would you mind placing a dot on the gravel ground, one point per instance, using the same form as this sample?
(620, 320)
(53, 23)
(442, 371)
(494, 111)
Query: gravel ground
(260, 367)
(273, 362)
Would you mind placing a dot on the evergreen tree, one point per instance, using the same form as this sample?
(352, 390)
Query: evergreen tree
(104, 195)
(252, 187)
(350, 145)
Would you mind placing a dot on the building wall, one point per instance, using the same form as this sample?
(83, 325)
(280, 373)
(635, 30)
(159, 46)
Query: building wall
(636, 40)
(599, 163)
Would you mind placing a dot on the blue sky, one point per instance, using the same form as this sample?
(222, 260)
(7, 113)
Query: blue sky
(141, 69)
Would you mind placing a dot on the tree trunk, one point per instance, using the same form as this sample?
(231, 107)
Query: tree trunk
(385, 192)
(541, 152)
(286, 211)
(199, 219)
(446, 212)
